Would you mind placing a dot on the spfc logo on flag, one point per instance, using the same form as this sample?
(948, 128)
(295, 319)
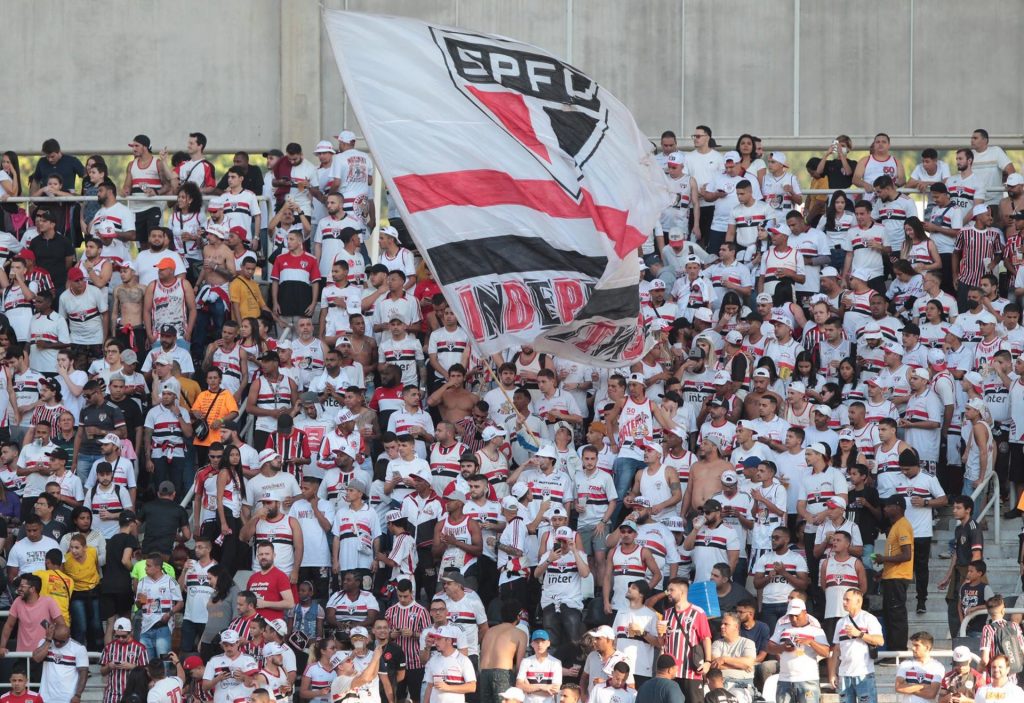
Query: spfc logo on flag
(551, 109)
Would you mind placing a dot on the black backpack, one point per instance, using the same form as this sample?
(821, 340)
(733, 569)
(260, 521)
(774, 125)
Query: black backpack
(1006, 638)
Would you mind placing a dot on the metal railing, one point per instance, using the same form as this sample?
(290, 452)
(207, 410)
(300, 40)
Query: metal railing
(982, 613)
(94, 658)
(991, 505)
(907, 654)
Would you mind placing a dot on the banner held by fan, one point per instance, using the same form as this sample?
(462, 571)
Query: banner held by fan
(526, 186)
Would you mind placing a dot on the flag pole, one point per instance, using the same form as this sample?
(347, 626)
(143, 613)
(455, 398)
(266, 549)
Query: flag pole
(494, 375)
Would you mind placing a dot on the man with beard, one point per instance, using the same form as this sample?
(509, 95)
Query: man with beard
(271, 585)
(686, 627)
(705, 475)
(269, 524)
(711, 541)
(331, 384)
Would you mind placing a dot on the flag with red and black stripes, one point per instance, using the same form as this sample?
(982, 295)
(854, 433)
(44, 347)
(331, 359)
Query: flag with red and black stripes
(526, 186)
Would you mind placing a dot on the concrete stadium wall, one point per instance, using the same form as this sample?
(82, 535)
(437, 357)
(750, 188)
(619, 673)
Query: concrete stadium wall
(256, 73)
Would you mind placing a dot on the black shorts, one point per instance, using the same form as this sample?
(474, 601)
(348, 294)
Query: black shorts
(116, 605)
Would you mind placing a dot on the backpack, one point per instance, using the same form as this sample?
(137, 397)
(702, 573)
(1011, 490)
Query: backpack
(1006, 641)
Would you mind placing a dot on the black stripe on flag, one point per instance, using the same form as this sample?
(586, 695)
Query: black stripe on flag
(510, 253)
(612, 303)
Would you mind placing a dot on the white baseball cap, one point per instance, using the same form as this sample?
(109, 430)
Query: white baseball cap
(513, 694)
(780, 157)
(829, 272)
(324, 147)
(963, 654)
(677, 158)
(733, 156)
(490, 432)
(510, 503)
(347, 136)
(979, 210)
(796, 606)
(267, 455)
(604, 631)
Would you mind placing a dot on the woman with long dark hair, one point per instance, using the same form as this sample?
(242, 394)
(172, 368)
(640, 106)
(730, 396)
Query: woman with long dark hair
(848, 454)
(935, 325)
(839, 220)
(252, 344)
(918, 247)
(95, 174)
(753, 166)
(136, 686)
(230, 491)
(850, 386)
(12, 217)
(316, 681)
(805, 370)
(186, 225)
(221, 610)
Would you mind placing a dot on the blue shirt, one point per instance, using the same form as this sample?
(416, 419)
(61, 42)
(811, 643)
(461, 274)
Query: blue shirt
(758, 634)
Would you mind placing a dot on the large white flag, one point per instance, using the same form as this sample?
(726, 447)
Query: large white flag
(525, 185)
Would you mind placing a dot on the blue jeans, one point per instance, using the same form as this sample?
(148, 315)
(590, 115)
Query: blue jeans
(771, 613)
(190, 632)
(179, 471)
(84, 464)
(623, 470)
(857, 689)
(156, 640)
(798, 692)
(86, 623)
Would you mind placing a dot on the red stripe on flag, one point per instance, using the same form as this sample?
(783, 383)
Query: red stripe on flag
(486, 188)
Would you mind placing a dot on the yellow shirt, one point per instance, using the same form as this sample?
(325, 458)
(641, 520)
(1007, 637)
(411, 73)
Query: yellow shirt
(58, 586)
(189, 389)
(86, 574)
(247, 295)
(900, 534)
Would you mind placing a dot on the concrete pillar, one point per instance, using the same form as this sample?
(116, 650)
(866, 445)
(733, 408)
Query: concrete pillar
(300, 74)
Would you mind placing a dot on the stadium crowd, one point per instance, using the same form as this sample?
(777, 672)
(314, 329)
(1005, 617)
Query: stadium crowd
(378, 513)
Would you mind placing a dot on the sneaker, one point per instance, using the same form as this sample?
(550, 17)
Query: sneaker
(921, 610)
(1011, 514)
(946, 555)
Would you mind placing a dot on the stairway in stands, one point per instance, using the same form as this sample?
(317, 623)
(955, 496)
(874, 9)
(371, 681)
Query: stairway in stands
(1003, 576)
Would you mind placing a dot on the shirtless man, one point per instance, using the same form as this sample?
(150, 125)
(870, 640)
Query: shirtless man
(705, 475)
(218, 260)
(364, 348)
(752, 402)
(454, 400)
(126, 316)
(501, 652)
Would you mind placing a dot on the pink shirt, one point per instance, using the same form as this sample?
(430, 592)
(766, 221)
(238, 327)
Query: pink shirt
(31, 629)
